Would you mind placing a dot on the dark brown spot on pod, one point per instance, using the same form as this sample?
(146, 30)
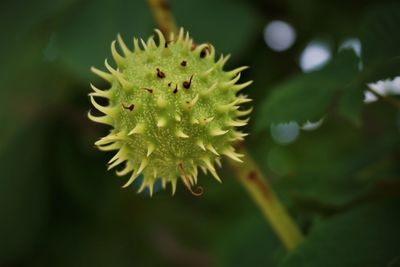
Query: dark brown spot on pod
(186, 84)
(160, 74)
(167, 43)
(130, 107)
(204, 52)
(183, 63)
(148, 90)
(176, 89)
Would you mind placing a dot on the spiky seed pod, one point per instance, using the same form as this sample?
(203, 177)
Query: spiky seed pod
(172, 108)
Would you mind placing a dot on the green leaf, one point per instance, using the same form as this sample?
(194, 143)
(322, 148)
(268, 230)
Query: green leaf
(249, 242)
(366, 236)
(307, 96)
(230, 25)
(380, 42)
(351, 104)
(331, 167)
(84, 38)
(380, 36)
(23, 191)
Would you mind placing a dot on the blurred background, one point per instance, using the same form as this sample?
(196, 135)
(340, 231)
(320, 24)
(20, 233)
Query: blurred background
(328, 144)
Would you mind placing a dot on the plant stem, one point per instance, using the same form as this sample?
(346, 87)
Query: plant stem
(162, 14)
(388, 99)
(262, 194)
(248, 172)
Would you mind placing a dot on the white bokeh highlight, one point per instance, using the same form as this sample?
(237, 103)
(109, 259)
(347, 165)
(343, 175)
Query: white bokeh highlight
(351, 43)
(311, 126)
(382, 87)
(279, 35)
(315, 56)
(285, 133)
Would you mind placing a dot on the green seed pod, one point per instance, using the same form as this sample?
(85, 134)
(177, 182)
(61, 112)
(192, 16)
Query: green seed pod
(172, 110)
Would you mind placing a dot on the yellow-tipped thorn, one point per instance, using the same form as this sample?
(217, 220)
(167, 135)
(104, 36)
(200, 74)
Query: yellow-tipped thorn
(124, 83)
(241, 113)
(201, 144)
(116, 156)
(234, 72)
(216, 176)
(151, 44)
(181, 134)
(143, 44)
(111, 138)
(229, 84)
(116, 163)
(212, 149)
(173, 186)
(150, 149)
(131, 179)
(180, 35)
(160, 102)
(193, 102)
(217, 132)
(237, 123)
(123, 46)
(99, 93)
(200, 48)
(143, 165)
(117, 57)
(218, 161)
(138, 129)
(161, 38)
(238, 87)
(193, 120)
(136, 46)
(209, 90)
(103, 119)
(178, 117)
(243, 99)
(233, 155)
(104, 75)
(105, 110)
(128, 168)
(211, 168)
(109, 147)
(222, 61)
(206, 121)
(161, 122)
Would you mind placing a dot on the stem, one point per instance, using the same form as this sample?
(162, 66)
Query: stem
(248, 173)
(262, 194)
(388, 99)
(162, 14)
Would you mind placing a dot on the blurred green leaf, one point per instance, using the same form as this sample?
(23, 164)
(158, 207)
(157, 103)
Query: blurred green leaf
(380, 36)
(351, 104)
(84, 38)
(366, 236)
(329, 166)
(23, 191)
(249, 242)
(308, 96)
(230, 25)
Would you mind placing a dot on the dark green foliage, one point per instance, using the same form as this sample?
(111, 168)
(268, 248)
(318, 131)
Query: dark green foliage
(368, 235)
(307, 97)
(341, 182)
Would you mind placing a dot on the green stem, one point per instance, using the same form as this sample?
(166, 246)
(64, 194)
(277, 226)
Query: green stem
(163, 16)
(248, 172)
(262, 194)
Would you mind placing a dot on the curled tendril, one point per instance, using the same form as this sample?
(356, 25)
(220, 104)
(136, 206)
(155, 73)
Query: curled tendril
(200, 189)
